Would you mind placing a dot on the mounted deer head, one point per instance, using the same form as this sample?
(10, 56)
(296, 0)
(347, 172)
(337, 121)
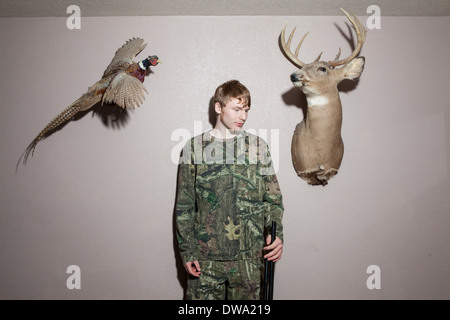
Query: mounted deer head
(317, 147)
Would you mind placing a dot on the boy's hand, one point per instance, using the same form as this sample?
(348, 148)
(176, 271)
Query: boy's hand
(276, 249)
(193, 268)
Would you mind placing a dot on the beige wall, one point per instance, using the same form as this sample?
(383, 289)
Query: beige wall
(100, 194)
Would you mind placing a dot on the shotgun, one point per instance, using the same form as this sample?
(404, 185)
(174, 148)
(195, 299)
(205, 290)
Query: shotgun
(269, 269)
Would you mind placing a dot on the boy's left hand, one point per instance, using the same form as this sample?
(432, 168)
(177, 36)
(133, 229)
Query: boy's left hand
(276, 249)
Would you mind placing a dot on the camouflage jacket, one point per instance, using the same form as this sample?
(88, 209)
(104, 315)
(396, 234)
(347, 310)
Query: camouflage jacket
(227, 194)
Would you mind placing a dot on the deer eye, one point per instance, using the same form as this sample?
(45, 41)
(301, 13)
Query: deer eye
(323, 69)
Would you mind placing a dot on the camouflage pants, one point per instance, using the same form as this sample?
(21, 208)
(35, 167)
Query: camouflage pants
(233, 280)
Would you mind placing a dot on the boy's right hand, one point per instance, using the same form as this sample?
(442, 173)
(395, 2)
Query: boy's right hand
(193, 268)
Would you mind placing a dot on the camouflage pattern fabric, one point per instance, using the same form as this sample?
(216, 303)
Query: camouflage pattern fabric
(232, 280)
(227, 194)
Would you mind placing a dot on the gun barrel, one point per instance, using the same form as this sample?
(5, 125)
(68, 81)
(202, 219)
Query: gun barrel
(269, 270)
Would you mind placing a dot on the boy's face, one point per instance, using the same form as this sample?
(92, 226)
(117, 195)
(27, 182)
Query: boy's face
(233, 115)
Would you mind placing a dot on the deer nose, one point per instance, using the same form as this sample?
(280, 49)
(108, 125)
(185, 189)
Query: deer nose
(295, 77)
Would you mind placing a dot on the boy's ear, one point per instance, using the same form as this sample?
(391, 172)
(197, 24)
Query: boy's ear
(218, 107)
(354, 68)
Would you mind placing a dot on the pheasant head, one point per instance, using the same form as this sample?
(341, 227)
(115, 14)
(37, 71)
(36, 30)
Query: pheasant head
(150, 61)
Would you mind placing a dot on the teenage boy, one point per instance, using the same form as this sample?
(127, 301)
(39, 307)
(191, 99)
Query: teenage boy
(227, 196)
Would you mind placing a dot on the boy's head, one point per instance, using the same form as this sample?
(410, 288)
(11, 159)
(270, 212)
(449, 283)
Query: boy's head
(232, 89)
(231, 104)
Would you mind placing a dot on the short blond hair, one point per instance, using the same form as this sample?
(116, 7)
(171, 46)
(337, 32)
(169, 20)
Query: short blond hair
(232, 89)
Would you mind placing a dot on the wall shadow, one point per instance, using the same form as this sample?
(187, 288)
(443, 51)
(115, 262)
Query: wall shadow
(212, 116)
(295, 98)
(182, 275)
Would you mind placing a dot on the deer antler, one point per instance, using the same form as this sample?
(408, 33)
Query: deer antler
(360, 33)
(361, 36)
(286, 47)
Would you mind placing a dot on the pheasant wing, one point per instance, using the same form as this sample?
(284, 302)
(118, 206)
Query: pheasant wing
(125, 54)
(125, 91)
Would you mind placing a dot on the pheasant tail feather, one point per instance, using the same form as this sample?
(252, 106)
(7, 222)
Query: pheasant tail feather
(85, 102)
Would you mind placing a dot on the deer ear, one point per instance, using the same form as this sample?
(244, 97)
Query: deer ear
(354, 68)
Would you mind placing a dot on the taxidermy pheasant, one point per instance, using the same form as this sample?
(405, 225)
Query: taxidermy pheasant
(121, 84)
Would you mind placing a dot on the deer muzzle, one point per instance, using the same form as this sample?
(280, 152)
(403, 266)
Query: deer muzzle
(297, 79)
